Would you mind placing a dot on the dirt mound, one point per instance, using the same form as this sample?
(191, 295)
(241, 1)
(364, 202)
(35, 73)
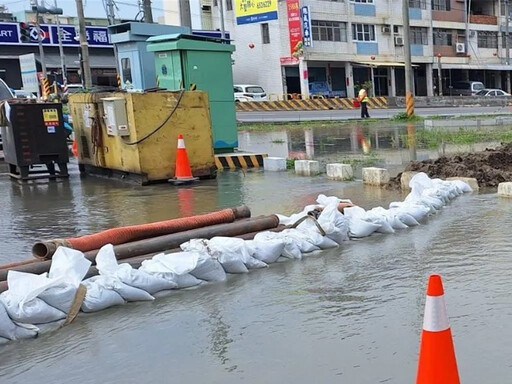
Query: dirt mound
(489, 167)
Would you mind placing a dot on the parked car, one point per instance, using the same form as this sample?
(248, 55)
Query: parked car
(5, 91)
(465, 88)
(249, 93)
(22, 94)
(492, 92)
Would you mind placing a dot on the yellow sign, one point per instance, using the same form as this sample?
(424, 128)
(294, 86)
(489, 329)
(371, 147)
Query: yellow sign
(51, 116)
(255, 11)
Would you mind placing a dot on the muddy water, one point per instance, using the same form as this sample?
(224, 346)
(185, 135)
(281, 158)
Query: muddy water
(350, 315)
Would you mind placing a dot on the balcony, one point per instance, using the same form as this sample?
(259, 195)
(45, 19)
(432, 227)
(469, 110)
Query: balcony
(483, 19)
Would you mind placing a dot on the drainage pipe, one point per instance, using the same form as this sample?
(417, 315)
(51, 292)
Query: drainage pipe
(45, 249)
(166, 242)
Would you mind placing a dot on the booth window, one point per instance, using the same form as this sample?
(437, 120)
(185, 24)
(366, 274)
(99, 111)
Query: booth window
(126, 70)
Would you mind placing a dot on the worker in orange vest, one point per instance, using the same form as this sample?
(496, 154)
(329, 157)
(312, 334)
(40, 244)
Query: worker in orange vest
(363, 99)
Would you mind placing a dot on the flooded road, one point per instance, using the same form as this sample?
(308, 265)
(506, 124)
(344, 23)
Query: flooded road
(347, 315)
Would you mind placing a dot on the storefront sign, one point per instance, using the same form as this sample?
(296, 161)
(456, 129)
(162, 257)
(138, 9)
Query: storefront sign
(255, 11)
(29, 72)
(294, 28)
(289, 60)
(306, 26)
(96, 36)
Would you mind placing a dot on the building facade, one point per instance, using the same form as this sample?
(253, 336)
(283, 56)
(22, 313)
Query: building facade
(359, 43)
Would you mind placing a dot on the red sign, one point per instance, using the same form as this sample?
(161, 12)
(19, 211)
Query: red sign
(294, 27)
(289, 60)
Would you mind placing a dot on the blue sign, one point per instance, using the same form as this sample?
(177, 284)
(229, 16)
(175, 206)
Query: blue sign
(9, 33)
(305, 16)
(96, 36)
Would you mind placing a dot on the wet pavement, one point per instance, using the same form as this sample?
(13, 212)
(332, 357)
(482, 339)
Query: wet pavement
(351, 315)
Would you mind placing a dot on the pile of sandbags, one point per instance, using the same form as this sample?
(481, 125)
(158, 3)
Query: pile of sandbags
(33, 302)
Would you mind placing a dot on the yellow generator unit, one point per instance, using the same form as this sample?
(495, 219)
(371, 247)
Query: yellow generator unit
(134, 135)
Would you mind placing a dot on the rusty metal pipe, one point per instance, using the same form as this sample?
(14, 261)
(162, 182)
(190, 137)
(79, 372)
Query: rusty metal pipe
(166, 242)
(122, 235)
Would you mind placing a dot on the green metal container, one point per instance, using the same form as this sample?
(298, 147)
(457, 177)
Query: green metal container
(193, 62)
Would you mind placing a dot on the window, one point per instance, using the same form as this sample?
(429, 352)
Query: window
(363, 32)
(329, 30)
(419, 36)
(395, 29)
(265, 34)
(442, 37)
(504, 40)
(237, 89)
(229, 5)
(254, 90)
(421, 4)
(487, 39)
(362, 1)
(126, 70)
(441, 5)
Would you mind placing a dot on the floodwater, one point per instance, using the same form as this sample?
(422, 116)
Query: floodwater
(347, 315)
(386, 144)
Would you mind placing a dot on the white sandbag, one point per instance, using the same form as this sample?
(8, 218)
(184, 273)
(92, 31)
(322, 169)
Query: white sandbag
(199, 265)
(300, 240)
(61, 296)
(167, 271)
(4, 340)
(230, 252)
(419, 182)
(98, 297)
(329, 200)
(334, 223)
(360, 228)
(69, 266)
(464, 187)
(11, 331)
(312, 235)
(50, 327)
(21, 300)
(208, 269)
(419, 212)
(127, 292)
(266, 250)
(195, 245)
(106, 263)
(396, 223)
(406, 218)
(290, 220)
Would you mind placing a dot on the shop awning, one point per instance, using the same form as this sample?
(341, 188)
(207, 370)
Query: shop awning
(381, 64)
(489, 67)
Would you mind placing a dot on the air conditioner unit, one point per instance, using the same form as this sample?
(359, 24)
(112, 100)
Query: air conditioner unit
(460, 48)
(399, 41)
(386, 29)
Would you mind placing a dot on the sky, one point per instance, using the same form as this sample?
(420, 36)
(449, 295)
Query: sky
(92, 8)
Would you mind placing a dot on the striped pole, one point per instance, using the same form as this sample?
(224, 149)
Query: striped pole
(65, 89)
(437, 362)
(45, 88)
(119, 84)
(409, 104)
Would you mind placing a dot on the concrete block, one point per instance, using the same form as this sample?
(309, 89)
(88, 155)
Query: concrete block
(468, 180)
(338, 171)
(307, 167)
(406, 178)
(274, 164)
(375, 176)
(505, 189)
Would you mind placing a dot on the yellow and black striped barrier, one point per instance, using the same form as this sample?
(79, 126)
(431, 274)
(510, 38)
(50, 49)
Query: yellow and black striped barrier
(45, 88)
(119, 83)
(317, 104)
(239, 160)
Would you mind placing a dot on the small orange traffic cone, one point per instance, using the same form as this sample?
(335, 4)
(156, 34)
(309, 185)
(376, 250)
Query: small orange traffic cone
(183, 173)
(437, 363)
(74, 149)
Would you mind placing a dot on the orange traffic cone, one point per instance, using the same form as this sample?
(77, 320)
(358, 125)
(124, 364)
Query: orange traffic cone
(183, 173)
(74, 149)
(437, 363)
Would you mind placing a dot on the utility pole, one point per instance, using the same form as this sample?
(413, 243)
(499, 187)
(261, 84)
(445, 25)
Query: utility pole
(439, 75)
(148, 14)
(466, 10)
(40, 41)
(84, 47)
(222, 27)
(185, 16)
(507, 43)
(409, 96)
(111, 17)
(61, 51)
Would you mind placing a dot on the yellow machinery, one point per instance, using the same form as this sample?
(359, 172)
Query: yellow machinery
(135, 134)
